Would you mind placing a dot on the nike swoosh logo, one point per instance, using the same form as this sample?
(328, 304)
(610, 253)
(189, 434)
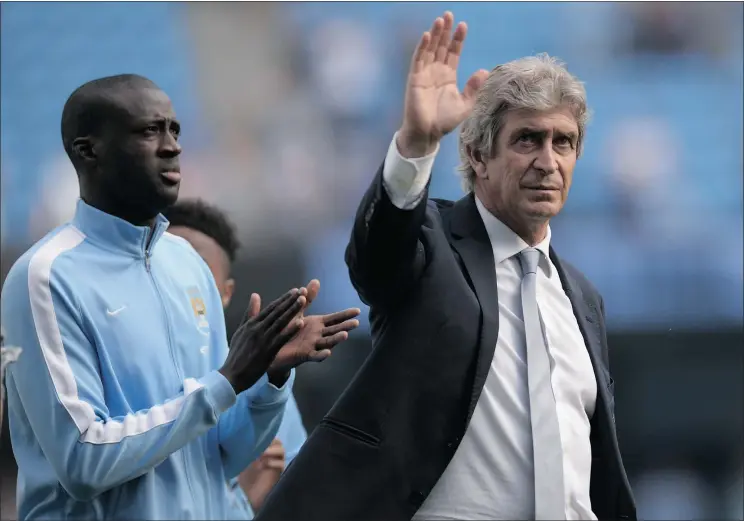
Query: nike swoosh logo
(115, 312)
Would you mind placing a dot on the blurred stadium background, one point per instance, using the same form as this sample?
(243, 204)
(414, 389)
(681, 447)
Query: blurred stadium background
(288, 108)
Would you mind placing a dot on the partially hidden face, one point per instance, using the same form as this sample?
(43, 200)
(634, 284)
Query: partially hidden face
(530, 173)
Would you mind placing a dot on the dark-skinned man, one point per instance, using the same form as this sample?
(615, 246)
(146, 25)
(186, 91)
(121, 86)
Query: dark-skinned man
(214, 237)
(127, 403)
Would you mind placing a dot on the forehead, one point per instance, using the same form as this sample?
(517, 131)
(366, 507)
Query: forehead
(557, 120)
(143, 104)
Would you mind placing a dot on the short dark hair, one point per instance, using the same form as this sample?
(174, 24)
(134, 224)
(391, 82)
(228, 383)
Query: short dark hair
(207, 219)
(86, 108)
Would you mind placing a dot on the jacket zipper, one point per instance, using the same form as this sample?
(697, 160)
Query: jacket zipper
(173, 357)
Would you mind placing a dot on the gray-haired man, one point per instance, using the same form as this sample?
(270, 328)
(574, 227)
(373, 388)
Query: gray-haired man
(487, 394)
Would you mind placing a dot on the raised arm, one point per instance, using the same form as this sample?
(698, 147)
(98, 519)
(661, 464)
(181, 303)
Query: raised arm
(385, 255)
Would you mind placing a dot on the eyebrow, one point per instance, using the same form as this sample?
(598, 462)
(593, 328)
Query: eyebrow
(573, 136)
(541, 132)
(157, 119)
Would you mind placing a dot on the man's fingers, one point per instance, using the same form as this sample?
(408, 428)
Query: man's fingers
(274, 464)
(347, 325)
(417, 62)
(274, 451)
(339, 316)
(274, 454)
(436, 35)
(313, 287)
(254, 306)
(289, 332)
(329, 342)
(474, 84)
(319, 356)
(287, 297)
(455, 46)
(283, 315)
(440, 54)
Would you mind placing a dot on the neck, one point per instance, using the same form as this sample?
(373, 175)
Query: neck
(110, 207)
(532, 231)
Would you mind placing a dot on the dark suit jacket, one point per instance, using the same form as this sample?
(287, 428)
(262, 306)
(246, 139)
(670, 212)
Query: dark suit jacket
(428, 275)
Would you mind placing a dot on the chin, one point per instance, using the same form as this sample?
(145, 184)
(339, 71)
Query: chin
(170, 194)
(542, 210)
(166, 197)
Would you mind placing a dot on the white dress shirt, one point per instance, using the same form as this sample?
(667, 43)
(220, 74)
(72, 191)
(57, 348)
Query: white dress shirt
(491, 475)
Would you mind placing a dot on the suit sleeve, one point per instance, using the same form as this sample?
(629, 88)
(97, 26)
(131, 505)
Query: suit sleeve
(385, 255)
(57, 385)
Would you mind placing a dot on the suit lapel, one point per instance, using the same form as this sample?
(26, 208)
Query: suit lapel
(470, 239)
(587, 316)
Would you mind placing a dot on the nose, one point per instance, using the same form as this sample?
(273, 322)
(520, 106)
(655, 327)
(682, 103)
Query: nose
(545, 161)
(169, 146)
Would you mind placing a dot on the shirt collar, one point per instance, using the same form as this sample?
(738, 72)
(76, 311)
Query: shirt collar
(506, 243)
(117, 234)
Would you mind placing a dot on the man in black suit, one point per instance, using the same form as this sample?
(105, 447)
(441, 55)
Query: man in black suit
(487, 394)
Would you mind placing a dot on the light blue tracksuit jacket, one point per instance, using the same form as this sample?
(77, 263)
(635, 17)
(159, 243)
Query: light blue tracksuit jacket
(116, 408)
(293, 435)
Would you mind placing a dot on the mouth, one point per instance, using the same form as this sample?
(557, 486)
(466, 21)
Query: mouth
(171, 176)
(541, 189)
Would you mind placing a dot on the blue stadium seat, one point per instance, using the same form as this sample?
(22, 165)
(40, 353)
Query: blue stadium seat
(49, 49)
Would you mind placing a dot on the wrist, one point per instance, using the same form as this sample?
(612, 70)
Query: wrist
(412, 146)
(278, 377)
(230, 379)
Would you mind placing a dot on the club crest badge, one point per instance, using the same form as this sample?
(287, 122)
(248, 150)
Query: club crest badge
(199, 309)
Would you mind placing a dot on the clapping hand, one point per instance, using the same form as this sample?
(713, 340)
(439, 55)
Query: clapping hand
(317, 337)
(260, 336)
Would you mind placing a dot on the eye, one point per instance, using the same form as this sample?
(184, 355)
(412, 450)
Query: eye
(564, 142)
(151, 130)
(527, 139)
(176, 131)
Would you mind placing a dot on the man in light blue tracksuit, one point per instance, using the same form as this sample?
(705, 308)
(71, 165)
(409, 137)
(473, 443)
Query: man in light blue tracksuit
(215, 239)
(126, 403)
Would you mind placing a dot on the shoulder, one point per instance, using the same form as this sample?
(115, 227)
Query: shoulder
(182, 255)
(45, 261)
(181, 249)
(440, 205)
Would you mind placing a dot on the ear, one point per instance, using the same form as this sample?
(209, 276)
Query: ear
(477, 162)
(227, 292)
(84, 149)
